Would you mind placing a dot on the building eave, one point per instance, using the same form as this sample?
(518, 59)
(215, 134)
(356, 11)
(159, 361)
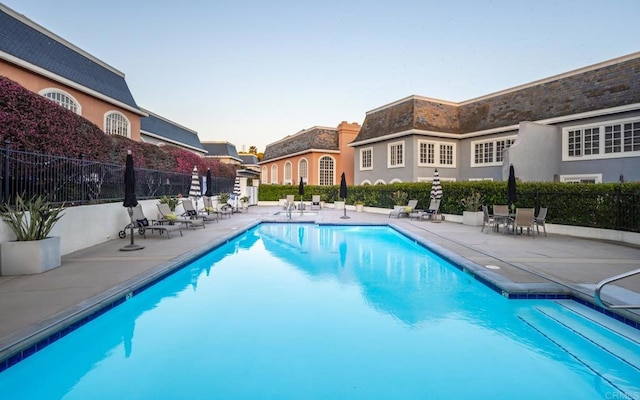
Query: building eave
(299, 154)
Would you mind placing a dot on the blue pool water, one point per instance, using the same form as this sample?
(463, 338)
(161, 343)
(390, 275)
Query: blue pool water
(301, 311)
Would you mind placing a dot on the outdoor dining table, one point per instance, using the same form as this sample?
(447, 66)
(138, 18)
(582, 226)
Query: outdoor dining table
(503, 219)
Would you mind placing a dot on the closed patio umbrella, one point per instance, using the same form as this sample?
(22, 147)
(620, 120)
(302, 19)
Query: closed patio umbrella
(301, 192)
(209, 182)
(236, 192)
(436, 192)
(343, 193)
(194, 190)
(130, 200)
(511, 188)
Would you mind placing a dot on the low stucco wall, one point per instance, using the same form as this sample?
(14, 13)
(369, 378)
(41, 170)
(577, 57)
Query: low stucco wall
(86, 226)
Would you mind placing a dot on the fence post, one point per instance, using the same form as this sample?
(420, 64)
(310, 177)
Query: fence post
(82, 190)
(5, 192)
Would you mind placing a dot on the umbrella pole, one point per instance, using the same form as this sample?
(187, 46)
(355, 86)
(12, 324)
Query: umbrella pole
(345, 210)
(131, 246)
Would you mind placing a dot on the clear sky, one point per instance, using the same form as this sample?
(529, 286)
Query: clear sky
(253, 72)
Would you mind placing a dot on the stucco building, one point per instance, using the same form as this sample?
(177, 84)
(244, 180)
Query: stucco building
(318, 155)
(583, 125)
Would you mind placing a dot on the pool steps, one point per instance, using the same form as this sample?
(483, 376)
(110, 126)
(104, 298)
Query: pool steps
(592, 339)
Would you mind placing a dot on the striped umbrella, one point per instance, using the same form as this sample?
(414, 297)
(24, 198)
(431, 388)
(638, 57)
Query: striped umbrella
(236, 192)
(194, 190)
(436, 187)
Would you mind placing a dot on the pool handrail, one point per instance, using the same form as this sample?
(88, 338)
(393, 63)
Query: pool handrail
(609, 280)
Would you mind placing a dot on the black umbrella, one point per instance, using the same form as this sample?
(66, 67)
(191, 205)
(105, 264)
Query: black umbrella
(209, 180)
(130, 200)
(301, 192)
(511, 187)
(343, 193)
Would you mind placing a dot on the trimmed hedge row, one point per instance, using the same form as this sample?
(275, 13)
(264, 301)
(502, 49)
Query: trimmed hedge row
(608, 205)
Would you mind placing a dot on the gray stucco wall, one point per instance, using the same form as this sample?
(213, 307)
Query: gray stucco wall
(536, 154)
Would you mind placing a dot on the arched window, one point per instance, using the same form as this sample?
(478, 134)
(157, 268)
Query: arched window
(116, 124)
(303, 171)
(274, 174)
(287, 173)
(264, 176)
(63, 99)
(327, 174)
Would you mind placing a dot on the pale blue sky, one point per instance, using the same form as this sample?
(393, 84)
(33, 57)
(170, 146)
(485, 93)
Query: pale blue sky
(253, 72)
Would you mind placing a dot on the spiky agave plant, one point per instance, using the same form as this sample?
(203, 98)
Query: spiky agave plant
(32, 219)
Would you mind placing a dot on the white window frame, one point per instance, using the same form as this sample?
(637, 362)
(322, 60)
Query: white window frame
(494, 151)
(288, 173)
(121, 119)
(579, 178)
(274, 174)
(362, 154)
(391, 152)
(303, 172)
(63, 99)
(602, 145)
(264, 176)
(332, 181)
(437, 156)
(480, 179)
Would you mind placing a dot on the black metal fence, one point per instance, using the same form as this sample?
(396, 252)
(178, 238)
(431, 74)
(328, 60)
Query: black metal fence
(79, 181)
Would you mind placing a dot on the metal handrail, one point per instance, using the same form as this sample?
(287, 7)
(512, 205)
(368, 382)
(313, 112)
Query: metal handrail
(607, 281)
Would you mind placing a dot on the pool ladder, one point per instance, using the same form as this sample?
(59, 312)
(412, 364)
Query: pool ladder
(607, 281)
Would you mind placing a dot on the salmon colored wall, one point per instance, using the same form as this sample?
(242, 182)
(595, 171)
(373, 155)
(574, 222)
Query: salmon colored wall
(347, 133)
(93, 109)
(344, 160)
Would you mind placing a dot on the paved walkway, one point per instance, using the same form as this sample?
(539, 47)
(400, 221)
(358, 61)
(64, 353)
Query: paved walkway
(34, 306)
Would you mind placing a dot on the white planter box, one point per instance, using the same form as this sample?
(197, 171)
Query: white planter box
(473, 218)
(338, 205)
(30, 257)
(359, 207)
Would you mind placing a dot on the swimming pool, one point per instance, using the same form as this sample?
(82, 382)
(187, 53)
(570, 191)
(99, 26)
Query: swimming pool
(308, 311)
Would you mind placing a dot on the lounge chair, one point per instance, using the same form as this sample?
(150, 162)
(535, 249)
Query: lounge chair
(143, 224)
(171, 217)
(209, 210)
(404, 211)
(539, 220)
(191, 212)
(523, 219)
(429, 213)
(315, 202)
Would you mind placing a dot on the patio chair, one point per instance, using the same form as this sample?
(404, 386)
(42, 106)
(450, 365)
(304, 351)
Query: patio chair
(523, 219)
(290, 203)
(488, 220)
(539, 220)
(191, 212)
(171, 217)
(404, 211)
(315, 202)
(139, 220)
(501, 216)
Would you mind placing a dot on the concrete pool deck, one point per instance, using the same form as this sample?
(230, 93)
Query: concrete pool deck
(32, 307)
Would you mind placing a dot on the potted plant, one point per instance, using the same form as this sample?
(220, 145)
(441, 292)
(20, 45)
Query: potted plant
(399, 198)
(33, 251)
(471, 214)
(172, 202)
(244, 202)
(359, 206)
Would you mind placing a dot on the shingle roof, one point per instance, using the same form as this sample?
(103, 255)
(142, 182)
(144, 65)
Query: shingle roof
(221, 149)
(606, 85)
(25, 40)
(320, 138)
(172, 132)
(249, 159)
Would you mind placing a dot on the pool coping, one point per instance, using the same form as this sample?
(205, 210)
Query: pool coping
(22, 345)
